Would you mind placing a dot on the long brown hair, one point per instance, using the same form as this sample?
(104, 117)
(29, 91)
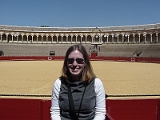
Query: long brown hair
(87, 73)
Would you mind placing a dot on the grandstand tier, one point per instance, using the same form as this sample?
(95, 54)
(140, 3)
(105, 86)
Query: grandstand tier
(115, 50)
(126, 41)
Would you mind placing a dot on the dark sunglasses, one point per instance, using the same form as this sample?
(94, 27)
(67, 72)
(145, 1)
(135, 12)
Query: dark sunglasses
(78, 60)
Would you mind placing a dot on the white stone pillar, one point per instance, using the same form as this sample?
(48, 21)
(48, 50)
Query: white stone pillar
(107, 38)
(85, 38)
(100, 39)
(151, 37)
(41, 39)
(76, 38)
(117, 38)
(134, 38)
(67, 38)
(37, 38)
(7, 37)
(71, 38)
(156, 37)
(62, 38)
(144, 38)
(37, 35)
(92, 38)
(57, 37)
(128, 37)
(22, 36)
(32, 39)
(52, 38)
(81, 38)
(139, 35)
(27, 38)
(112, 38)
(122, 38)
(17, 38)
(0, 37)
(47, 38)
(12, 37)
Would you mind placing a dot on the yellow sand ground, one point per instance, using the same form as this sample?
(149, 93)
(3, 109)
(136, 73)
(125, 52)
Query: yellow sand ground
(37, 77)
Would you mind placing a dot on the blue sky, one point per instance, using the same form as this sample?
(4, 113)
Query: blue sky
(79, 13)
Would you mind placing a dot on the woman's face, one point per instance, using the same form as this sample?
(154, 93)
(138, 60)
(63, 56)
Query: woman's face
(75, 64)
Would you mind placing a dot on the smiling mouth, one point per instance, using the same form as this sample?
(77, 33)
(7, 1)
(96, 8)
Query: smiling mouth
(74, 70)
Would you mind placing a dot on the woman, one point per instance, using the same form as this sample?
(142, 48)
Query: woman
(78, 94)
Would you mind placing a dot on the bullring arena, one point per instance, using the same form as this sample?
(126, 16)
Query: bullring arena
(125, 58)
(37, 77)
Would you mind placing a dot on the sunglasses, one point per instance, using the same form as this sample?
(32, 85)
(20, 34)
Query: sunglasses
(78, 60)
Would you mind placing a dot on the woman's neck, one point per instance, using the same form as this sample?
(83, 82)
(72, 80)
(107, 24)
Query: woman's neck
(75, 78)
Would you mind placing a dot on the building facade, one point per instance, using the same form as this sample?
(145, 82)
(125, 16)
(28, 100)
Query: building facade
(138, 34)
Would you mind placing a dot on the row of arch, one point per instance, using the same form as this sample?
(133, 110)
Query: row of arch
(98, 38)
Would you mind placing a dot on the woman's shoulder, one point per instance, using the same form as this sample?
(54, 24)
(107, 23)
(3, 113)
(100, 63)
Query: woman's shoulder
(57, 83)
(98, 81)
(98, 85)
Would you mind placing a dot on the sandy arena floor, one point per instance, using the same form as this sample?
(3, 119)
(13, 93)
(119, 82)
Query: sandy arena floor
(37, 77)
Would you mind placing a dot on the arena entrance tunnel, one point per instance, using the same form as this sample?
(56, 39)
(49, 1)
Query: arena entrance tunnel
(1, 53)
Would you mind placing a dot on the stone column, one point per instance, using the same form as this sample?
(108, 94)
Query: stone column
(52, 38)
(47, 38)
(57, 37)
(85, 39)
(12, 37)
(92, 38)
(100, 39)
(71, 38)
(32, 39)
(0, 37)
(61, 36)
(37, 38)
(151, 37)
(128, 37)
(157, 37)
(139, 35)
(37, 35)
(81, 38)
(22, 36)
(107, 38)
(66, 38)
(17, 37)
(112, 38)
(122, 38)
(7, 37)
(134, 38)
(76, 38)
(27, 37)
(41, 38)
(144, 37)
(117, 38)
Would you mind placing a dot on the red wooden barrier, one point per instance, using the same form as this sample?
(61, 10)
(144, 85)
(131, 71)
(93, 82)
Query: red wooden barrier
(20, 109)
(37, 109)
(141, 109)
(46, 104)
